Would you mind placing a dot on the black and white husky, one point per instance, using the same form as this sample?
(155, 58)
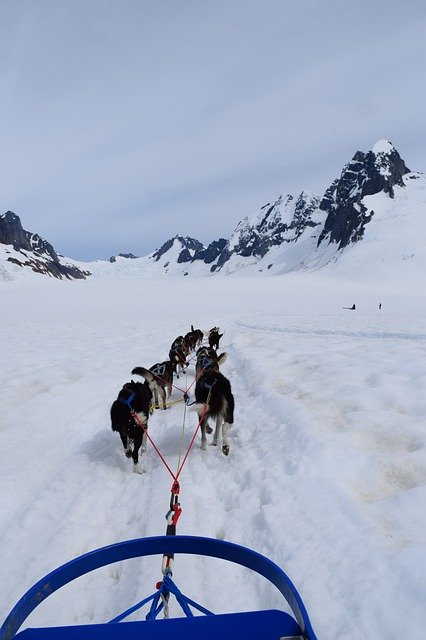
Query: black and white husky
(214, 337)
(177, 356)
(214, 399)
(134, 398)
(159, 378)
(207, 358)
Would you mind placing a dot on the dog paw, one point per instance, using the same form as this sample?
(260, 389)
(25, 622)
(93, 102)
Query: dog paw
(204, 446)
(128, 453)
(225, 449)
(209, 429)
(138, 469)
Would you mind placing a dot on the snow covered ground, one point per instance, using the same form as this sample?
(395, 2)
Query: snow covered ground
(327, 469)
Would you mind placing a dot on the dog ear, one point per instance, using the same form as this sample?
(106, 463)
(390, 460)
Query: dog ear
(221, 359)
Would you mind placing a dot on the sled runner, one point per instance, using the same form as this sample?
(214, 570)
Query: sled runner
(270, 624)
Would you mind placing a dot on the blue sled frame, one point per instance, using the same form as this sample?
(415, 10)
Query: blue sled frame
(152, 546)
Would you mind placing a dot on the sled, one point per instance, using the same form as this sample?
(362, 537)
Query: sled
(269, 624)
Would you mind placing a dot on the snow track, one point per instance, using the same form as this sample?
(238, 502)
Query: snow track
(325, 474)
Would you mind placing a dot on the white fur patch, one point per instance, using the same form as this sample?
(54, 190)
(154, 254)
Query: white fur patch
(142, 417)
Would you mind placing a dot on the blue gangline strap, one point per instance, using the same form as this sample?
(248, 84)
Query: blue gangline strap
(137, 606)
(155, 607)
(198, 606)
(167, 586)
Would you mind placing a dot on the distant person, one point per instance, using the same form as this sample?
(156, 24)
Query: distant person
(352, 308)
(380, 305)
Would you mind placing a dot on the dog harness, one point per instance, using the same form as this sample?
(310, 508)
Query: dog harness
(158, 370)
(208, 386)
(205, 363)
(126, 400)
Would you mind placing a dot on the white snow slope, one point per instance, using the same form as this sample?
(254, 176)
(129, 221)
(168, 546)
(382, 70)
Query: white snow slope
(326, 473)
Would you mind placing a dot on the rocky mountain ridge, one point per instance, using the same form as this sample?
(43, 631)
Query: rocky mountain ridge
(30, 251)
(285, 234)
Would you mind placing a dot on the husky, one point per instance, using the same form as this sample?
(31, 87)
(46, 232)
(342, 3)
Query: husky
(214, 337)
(214, 399)
(177, 356)
(128, 413)
(159, 378)
(208, 359)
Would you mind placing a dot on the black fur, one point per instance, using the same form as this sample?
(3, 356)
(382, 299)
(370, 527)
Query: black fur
(214, 338)
(180, 343)
(123, 421)
(207, 359)
(193, 338)
(177, 356)
(214, 390)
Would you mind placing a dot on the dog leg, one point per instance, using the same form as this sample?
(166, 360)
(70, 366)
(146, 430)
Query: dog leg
(225, 445)
(156, 396)
(216, 431)
(163, 396)
(138, 441)
(203, 431)
(126, 444)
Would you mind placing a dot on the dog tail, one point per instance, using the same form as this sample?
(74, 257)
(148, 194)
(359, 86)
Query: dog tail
(145, 373)
(221, 359)
(198, 407)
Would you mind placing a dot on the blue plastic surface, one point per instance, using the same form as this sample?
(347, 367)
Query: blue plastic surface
(252, 625)
(153, 546)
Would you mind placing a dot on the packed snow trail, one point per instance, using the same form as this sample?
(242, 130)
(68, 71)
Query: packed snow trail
(325, 474)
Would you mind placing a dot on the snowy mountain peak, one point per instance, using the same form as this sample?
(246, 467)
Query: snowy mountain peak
(278, 222)
(29, 251)
(383, 146)
(365, 175)
(388, 162)
(179, 248)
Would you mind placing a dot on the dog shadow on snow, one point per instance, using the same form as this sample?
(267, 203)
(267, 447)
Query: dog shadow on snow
(104, 449)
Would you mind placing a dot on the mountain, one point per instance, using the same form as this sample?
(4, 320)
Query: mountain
(22, 250)
(379, 170)
(275, 224)
(183, 249)
(129, 256)
(372, 215)
(310, 231)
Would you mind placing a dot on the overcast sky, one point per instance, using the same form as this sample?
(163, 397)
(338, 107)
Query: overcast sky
(125, 122)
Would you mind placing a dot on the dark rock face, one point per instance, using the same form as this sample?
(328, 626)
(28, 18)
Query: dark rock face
(189, 246)
(130, 256)
(210, 254)
(163, 249)
(37, 253)
(366, 174)
(184, 256)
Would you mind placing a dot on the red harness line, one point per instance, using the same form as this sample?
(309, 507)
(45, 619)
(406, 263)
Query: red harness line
(175, 477)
